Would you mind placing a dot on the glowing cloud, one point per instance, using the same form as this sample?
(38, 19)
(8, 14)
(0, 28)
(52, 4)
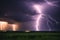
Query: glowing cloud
(37, 8)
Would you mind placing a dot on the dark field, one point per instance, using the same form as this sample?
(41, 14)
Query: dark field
(29, 35)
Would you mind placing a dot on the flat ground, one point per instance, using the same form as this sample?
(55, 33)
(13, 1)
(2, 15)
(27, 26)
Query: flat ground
(29, 35)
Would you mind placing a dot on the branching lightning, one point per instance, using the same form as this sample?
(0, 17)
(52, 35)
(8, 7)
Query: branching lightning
(38, 8)
(52, 3)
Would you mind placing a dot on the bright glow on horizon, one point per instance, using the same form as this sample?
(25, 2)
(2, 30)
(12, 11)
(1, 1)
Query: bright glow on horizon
(14, 27)
(3, 25)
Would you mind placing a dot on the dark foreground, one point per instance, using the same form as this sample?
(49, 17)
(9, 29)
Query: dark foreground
(29, 35)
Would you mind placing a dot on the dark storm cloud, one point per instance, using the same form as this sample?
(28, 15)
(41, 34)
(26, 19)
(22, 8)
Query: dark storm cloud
(15, 9)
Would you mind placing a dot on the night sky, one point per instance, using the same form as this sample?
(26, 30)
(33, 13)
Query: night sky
(20, 11)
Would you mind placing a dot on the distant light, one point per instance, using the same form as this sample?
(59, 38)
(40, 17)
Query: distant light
(3, 25)
(27, 31)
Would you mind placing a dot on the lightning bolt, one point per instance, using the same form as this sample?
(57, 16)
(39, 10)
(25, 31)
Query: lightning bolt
(38, 9)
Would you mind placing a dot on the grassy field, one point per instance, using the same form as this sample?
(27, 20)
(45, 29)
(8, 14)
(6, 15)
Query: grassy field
(29, 35)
